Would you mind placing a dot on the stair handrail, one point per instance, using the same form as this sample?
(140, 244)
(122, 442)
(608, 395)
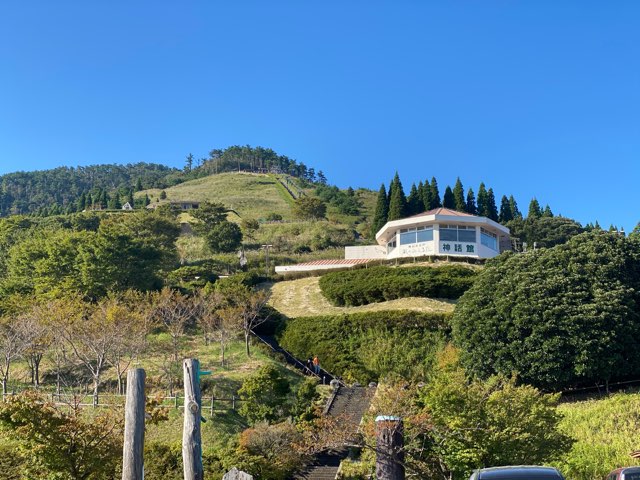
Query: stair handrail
(291, 355)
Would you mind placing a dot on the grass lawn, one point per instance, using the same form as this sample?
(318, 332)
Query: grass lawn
(302, 297)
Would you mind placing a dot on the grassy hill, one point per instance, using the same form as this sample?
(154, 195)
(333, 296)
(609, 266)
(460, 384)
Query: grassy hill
(252, 195)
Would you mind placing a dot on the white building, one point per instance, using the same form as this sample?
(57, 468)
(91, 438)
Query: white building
(437, 232)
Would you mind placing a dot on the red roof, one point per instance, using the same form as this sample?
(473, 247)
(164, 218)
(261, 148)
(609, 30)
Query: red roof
(351, 261)
(443, 211)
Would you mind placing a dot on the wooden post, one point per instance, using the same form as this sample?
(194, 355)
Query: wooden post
(133, 451)
(191, 440)
(389, 448)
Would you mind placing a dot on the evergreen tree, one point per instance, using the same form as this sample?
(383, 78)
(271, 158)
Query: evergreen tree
(322, 180)
(547, 212)
(514, 208)
(188, 164)
(147, 200)
(381, 212)
(471, 203)
(397, 200)
(139, 185)
(492, 209)
(482, 200)
(458, 196)
(89, 201)
(506, 214)
(130, 199)
(448, 201)
(82, 202)
(414, 202)
(435, 194)
(534, 209)
(426, 196)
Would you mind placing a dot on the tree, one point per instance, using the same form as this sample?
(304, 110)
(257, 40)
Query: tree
(558, 317)
(471, 203)
(414, 201)
(506, 214)
(510, 424)
(482, 200)
(534, 209)
(163, 195)
(322, 180)
(188, 165)
(263, 395)
(435, 194)
(492, 209)
(397, 200)
(458, 197)
(221, 235)
(547, 212)
(448, 201)
(427, 197)
(309, 208)
(35, 323)
(514, 207)
(12, 346)
(63, 442)
(381, 212)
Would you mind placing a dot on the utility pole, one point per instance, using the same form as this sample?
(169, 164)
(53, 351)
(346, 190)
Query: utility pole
(266, 255)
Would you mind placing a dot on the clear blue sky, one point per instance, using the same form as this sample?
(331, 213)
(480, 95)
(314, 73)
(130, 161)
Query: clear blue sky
(533, 98)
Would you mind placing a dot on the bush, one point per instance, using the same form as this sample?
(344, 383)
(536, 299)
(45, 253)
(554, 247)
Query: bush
(377, 284)
(558, 317)
(367, 346)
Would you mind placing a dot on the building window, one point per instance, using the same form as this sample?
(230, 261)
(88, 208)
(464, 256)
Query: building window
(409, 236)
(457, 233)
(489, 239)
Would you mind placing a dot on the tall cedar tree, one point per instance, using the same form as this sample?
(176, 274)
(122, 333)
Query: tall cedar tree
(492, 209)
(448, 200)
(514, 208)
(397, 200)
(458, 196)
(471, 202)
(381, 213)
(414, 202)
(426, 195)
(435, 194)
(482, 200)
(505, 210)
(534, 209)
(547, 212)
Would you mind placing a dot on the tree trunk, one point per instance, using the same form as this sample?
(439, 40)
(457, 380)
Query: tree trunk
(222, 352)
(36, 368)
(246, 343)
(96, 383)
(4, 388)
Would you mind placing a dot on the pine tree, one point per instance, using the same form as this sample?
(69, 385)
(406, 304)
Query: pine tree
(131, 199)
(506, 214)
(492, 209)
(426, 196)
(147, 200)
(471, 203)
(514, 208)
(414, 202)
(139, 185)
(397, 200)
(547, 212)
(82, 202)
(458, 196)
(89, 202)
(448, 201)
(482, 200)
(381, 212)
(534, 209)
(435, 194)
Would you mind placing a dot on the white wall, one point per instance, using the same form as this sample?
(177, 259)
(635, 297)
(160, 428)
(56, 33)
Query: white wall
(366, 251)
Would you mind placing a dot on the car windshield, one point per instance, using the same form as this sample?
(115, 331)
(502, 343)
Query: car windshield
(632, 476)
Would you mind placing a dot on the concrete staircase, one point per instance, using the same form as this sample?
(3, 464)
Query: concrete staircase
(349, 403)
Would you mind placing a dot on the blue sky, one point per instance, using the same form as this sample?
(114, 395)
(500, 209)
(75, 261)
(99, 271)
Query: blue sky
(533, 98)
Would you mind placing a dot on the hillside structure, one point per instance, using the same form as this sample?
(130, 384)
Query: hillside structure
(438, 232)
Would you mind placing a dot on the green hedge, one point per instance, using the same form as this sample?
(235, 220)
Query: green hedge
(367, 346)
(377, 284)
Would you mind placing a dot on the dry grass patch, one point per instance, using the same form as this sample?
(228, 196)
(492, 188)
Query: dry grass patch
(302, 297)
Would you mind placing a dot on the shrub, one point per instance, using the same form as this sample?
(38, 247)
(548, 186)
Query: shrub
(367, 346)
(377, 284)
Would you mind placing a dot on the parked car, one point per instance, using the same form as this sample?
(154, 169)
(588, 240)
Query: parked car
(626, 473)
(520, 472)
